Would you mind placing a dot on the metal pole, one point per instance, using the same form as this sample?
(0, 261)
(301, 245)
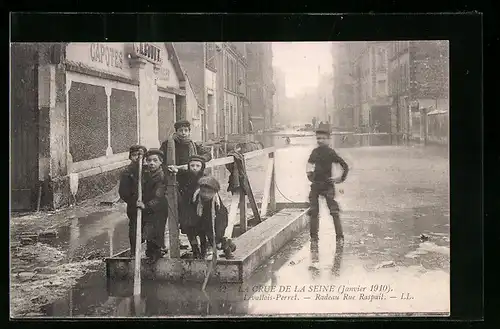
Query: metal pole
(138, 236)
(205, 97)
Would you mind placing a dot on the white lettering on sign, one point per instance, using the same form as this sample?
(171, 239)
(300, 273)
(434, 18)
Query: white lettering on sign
(163, 74)
(147, 51)
(106, 55)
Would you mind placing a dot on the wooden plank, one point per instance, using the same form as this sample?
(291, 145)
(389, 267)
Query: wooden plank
(256, 153)
(220, 162)
(267, 188)
(253, 248)
(173, 216)
(243, 213)
(227, 160)
(235, 199)
(272, 190)
(251, 199)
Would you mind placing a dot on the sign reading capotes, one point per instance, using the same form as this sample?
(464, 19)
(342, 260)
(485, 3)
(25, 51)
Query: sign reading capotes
(147, 51)
(107, 55)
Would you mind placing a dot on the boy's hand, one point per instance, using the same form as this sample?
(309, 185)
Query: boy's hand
(334, 180)
(173, 169)
(140, 204)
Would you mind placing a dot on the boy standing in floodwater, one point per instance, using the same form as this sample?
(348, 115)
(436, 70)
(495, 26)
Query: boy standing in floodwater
(154, 204)
(319, 173)
(128, 190)
(185, 147)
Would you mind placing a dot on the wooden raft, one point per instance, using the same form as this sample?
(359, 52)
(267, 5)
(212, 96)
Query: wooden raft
(254, 245)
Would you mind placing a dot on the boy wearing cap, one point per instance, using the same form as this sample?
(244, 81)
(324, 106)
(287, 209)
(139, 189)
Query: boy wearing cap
(154, 204)
(185, 147)
(128, 190)
(319, 173)
(196, 170)
(206, 208)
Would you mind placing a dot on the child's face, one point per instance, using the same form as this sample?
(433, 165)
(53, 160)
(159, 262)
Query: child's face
(207, 193)
(195, 166)
(184, 132)
(134, 156)
(153, 162)
(323, 139)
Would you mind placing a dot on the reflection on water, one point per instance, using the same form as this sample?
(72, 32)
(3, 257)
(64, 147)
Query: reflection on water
(337, 258)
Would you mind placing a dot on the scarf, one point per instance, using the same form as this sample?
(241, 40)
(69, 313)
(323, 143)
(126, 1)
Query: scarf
(199, 204)
(188, 142)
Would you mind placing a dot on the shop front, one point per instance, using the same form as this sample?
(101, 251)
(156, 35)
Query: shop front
(105, 97)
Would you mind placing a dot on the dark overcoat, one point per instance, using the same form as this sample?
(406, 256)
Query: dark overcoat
(155, 209)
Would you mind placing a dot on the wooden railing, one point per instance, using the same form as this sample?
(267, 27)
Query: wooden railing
(238, 198)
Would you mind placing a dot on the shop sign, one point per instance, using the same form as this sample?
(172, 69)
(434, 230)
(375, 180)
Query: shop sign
(147, 51)
(104, 54)
(163, 73)
(107, 57)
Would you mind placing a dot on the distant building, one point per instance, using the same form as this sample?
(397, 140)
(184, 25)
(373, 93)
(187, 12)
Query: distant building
(260, 84)
(419, 82)
(280, 98)
(389, 85)
(233, 102)
(325, 97)
(203, 84)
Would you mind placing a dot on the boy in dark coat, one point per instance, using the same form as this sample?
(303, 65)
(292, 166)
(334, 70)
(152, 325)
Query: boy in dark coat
(196, 170)
(205, 208)
(154, 204)
(185, 147)
(128, 190)
(319, 172)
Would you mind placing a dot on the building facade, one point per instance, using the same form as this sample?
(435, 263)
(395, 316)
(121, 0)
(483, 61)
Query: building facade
(280, 98)
(233, 115)
(84, 104)
(202, 81)
(260, 84)
(419, 86)
(385, 86)
(344, 86)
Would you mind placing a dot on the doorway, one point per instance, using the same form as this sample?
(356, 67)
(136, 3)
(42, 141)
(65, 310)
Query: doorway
(24, 126)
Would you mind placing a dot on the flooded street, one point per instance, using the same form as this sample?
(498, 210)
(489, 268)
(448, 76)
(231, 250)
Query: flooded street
(395, 258)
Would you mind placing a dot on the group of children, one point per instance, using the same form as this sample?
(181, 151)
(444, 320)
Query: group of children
(202, 215)
(201, 211)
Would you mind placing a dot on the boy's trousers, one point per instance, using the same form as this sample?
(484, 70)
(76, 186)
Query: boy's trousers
(328, 191)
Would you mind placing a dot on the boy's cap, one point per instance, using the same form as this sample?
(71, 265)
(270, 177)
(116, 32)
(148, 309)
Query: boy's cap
(196, 158)
(211, 182)
(157, 152)
(182, 123)
(135, 148)
(322, 131)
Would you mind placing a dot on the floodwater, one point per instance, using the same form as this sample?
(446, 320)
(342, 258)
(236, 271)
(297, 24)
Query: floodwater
(395, 258)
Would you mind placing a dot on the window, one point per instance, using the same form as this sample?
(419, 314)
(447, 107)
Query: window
(225, 72)
(381, 90)
(210, 55)
(381, 60)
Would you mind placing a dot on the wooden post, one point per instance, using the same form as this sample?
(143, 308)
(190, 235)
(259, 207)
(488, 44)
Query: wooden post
(243, 212)
(267, 188)
(173, 215)
(138, 235)
(272, 192)
(232, 214)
